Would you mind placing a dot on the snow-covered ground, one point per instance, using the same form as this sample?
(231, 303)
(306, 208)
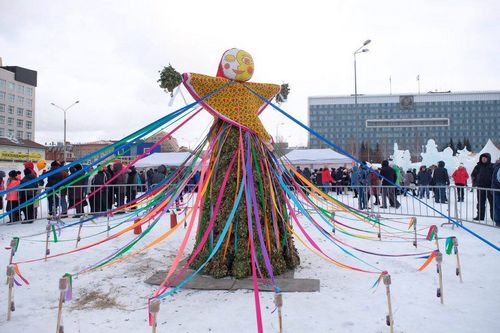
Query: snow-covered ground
(114, 299)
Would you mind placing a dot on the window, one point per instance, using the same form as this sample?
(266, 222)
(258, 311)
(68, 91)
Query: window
(28, 102)
(29, 91)
(10, 121)
(2, 132)
(20, 89)
(29, 113)
(20, 100)
(2, 96)
(2, 120)
(2, 84)
(421, 122)
(29, 124)
(20, 123)
(10, 133)
(12, 98)
(19, 134)
(20, 112)
(11, 109)
(11, 86)
(29, 136)
(2, 107)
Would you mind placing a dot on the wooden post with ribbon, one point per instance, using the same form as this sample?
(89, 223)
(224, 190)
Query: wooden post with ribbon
(436, 237)
(278, 301)
(439, 260)
(10, 285)
(108, 227)
(389, 318)
(455, 249)
(13, 248)
(63, 285)
(154, 308)
(413, 223)
(78, 238)
(47, 250)
(332, 219)
(379, 228)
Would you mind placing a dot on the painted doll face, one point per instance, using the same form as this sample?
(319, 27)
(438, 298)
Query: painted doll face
(237, 65)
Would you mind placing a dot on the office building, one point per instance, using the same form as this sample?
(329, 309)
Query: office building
(410, 120)
(17, 102)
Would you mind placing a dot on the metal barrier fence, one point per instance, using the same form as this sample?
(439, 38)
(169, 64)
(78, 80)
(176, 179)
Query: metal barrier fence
(471, 204)
(57, 204)
(460, 203)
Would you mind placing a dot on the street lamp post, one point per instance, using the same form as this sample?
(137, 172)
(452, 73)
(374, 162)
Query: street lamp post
(361, 49)
(277, 126)
(64, 110)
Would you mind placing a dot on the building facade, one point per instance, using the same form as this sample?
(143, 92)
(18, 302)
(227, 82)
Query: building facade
(14, 150)
(17, 102)
(378, 121)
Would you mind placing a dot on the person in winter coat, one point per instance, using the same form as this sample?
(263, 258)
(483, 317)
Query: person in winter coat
(133, 183)
(495, 184)
(2, 187)
(53, 197)
(388, 191)
(338, 180)
(99, 202)
(119, 184)
(423, 181)
(319, 178)
(354, 180)
(363, 183)
(27, 194)
(159, 175)
(460, 177)
(440, 179)
(13, 197)
(63, 194)
(307, 175)
(374, 187)
(481, 177)
(77, 193)
(326, 179)
(408, 182)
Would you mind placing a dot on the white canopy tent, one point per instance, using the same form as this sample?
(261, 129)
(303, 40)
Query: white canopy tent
(492, 149)
(316, 157)
(166, 159)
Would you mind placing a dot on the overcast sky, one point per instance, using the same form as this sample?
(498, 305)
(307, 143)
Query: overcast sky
(107, 54)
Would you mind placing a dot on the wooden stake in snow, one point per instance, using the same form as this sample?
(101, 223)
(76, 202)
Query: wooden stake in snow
(379, 231)
(108, 228)
(439, 260)
(13, 246)
(455, 249)
(47, 250)
(278, 301)
(332, 219)
(437, 239)
(10, 284)
(154, 308)
(389, 319)
(413, 222)
(63, 285)
(78, 238)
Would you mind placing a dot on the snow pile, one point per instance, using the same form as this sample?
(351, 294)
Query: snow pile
(114, 299)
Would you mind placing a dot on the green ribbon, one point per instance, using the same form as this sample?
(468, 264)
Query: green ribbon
(54, 233)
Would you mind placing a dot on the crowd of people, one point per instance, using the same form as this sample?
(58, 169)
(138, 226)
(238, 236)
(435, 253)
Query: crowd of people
(433, 181)
(122, 189)
(362, 181)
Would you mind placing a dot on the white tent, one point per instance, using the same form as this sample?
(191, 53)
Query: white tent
(492, 149)
(316, 157)
(166, 159)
